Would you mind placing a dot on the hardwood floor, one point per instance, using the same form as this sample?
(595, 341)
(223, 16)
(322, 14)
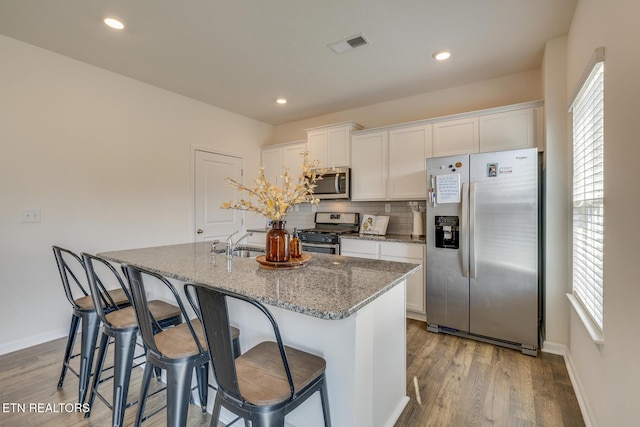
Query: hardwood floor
(31, 376)
(461, 383)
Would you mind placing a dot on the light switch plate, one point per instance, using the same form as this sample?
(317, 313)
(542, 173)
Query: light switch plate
(387, 207)
(30, 215)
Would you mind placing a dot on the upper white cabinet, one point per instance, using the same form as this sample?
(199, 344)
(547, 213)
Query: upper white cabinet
(276, 158)
(408, 149)
(330, 145)
(508, 130)
(505, 128)
(390, 164)
(369, 166)
(455, 137)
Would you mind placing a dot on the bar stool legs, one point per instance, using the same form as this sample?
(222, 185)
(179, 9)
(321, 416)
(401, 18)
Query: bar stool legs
(179, 377)
(125, 345)
(90, 327)
(71, 341)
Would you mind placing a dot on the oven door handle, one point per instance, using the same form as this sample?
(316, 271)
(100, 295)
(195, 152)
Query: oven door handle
(321, 245)
(335, 247)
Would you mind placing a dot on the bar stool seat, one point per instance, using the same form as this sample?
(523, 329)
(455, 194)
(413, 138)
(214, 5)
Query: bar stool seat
(262, 378)
(177, 342)
(117, 295)
(126, 317)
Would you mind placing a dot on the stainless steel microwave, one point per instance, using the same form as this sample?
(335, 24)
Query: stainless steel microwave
(335, 184)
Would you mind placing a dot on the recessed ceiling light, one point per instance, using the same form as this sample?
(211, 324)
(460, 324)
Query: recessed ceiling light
(114, 23)
(281, 101)
(441, 55)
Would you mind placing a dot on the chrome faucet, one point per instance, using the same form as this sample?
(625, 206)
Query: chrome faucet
(232, 246)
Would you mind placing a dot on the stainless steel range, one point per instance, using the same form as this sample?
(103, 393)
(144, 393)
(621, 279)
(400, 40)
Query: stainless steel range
(325, 237)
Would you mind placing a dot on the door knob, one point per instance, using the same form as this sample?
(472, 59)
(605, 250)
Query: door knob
(199, 231)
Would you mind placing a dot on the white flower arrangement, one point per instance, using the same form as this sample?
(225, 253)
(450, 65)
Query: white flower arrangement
(274, 201)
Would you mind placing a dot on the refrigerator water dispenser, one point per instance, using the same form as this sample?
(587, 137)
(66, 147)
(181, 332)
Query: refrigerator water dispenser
(447, 232)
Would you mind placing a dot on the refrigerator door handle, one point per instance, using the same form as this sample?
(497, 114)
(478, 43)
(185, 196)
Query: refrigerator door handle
(472, 227)
(464, 241)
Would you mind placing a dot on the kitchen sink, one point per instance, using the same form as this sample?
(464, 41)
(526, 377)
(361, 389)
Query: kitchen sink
(247, 252)
(243, 252)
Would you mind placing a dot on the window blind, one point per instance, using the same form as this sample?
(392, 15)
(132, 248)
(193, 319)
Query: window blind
(588, 193)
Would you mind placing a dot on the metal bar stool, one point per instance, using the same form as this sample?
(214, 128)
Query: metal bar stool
(269, 380)
(72, 272)
(179, 350)
(121, 325)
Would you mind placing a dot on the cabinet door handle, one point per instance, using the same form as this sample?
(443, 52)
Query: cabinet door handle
(199, 231)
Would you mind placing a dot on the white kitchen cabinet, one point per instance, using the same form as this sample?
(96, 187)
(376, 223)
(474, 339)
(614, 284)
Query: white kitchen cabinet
(390, 164)
(415, 254)
(395, 251)
(292, 157)
(408, 148)
(360, 248)
(271, 160)
(507, 130)
(276, 158)
(330, 145)
(369, 166)
(454, 137)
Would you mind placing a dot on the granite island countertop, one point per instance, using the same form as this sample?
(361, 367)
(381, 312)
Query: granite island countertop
(328, 287)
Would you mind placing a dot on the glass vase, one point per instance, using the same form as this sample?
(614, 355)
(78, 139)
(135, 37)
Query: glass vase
(277, 244)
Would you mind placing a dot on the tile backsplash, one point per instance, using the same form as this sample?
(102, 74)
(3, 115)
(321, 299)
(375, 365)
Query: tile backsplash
(400, 217)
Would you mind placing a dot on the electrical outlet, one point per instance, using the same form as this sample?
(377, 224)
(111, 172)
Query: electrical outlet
(387, 207)
(30, 215)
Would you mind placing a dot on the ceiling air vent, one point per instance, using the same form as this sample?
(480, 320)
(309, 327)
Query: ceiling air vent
(348, 44)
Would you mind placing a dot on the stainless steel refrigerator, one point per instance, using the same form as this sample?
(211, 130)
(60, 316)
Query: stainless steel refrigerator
(482, 247)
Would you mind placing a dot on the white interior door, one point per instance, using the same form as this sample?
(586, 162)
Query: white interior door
(211, 190)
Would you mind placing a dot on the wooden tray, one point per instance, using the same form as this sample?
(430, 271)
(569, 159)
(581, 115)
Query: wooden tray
(289, 265)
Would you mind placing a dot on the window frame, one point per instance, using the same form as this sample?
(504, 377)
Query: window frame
(587, 198)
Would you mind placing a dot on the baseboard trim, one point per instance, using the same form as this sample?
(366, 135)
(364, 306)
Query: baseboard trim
(397, 412)
(33, 340)
(417, 316)
(554, 348)
(581, 396)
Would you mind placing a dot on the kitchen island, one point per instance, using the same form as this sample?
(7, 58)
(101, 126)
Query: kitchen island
(350, 311)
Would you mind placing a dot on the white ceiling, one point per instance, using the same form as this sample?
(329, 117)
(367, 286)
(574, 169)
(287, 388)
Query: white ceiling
(241, 55)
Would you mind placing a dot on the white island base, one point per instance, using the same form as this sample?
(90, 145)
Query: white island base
(365, 354)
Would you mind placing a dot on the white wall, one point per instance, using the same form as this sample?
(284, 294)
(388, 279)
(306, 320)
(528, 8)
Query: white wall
(608, 376)
(107, 161)
(511, 89)
(557, 196)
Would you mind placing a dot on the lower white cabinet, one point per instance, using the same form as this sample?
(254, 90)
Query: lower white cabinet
(413, 253)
